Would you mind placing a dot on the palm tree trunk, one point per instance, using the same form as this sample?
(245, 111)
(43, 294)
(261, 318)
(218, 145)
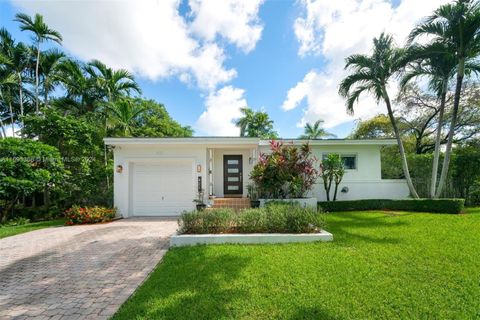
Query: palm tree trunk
(11, 118)
(20, 94)
(451, 133)
(2, 125)
(36, 76)
(438, 138)
(403, 156)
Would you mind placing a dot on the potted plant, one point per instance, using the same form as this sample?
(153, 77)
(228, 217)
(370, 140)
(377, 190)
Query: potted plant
(253, 195)
(201, 205)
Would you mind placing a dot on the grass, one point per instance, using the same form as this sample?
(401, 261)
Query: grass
(383, 265)
(7, 231)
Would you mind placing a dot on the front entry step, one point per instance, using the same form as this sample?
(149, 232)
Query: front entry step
(234, 203)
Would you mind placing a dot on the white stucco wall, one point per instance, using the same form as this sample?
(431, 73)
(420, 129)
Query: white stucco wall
(365, 182)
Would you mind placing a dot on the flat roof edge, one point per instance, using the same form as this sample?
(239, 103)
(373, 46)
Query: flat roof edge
(241, 140)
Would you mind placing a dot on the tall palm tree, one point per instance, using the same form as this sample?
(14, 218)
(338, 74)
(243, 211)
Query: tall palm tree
(316, 131)
(245, 120)
(113, 83)
(41, 33)
(81, 91)
(435, 62)
(457, 25)
(49, 71)
(122, 116)
(19, 55)
(371, 73)
(7, 80)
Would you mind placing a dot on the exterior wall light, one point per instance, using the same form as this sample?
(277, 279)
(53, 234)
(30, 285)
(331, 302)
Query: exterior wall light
(119, 168)
(199, 168)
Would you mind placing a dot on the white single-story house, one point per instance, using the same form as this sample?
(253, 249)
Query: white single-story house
(162, 176)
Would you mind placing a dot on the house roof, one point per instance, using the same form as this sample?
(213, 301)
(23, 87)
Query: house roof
(241, 141)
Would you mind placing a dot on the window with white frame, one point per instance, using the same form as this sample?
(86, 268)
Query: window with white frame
(349, 160)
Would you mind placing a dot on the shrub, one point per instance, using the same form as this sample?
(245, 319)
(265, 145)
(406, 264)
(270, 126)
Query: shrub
(417, 205)
(292, 218)
(274, 218)
(206, 221)
(286, 172)
(88, 215)
(252, 221)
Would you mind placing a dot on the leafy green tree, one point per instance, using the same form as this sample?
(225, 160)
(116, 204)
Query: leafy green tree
(372, 73)
(316, 131)
(156, 122)
(255, 124)
(457, 26)
(41, 33)
(27, 166)
(80, 144)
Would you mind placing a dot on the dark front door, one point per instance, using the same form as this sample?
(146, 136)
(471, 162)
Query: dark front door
(232, 175)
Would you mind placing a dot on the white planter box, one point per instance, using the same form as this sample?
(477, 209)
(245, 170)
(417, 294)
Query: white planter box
(248, 238)
(304, 202)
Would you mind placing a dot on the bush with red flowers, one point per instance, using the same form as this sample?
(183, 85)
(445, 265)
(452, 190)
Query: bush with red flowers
(88, 215)
(287, 171)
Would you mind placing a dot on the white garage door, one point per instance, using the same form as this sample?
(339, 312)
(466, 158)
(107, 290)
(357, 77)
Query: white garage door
(164, 188)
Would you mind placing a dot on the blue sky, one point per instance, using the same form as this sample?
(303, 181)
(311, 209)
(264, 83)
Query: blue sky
(205, 59)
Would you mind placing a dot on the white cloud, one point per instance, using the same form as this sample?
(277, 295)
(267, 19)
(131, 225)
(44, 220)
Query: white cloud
(335, 30)
(223, 106)
(150, 37)
(235, 20)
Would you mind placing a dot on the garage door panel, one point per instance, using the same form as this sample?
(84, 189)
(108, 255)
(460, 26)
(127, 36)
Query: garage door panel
(163, 188)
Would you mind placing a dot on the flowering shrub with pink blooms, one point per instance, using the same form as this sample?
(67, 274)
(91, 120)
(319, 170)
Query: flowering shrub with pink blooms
(286, 172)
(88, 215)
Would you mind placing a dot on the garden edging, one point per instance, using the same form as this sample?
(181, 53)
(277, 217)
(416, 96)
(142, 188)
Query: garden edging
(177, 240)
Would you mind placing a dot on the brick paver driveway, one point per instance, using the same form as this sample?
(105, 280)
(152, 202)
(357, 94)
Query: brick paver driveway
(79, 272)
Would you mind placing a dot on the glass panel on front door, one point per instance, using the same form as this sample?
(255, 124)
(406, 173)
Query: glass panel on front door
(232, 175)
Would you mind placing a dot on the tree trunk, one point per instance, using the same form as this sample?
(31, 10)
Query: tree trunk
(335, 192)
(325, 185)
(451, 133)
(403, 156)
(36, 77)
(438, 138)
(20, 94)
(11, 118)
(4, 133)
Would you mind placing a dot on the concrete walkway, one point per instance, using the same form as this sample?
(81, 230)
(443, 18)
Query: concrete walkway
(78, 272)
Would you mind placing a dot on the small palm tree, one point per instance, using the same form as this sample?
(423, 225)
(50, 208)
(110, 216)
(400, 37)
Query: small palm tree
(245, 120)
(113, 83)
(457, 25)
(122, 116)
(316, 131)
(49, 71)
(41, 33)
(371, 73)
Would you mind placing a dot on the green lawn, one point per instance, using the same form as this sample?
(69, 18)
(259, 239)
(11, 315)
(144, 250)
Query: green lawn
(382, 265)
(7, 231)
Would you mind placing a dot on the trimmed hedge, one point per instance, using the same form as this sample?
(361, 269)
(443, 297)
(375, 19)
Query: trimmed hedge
(418, 205)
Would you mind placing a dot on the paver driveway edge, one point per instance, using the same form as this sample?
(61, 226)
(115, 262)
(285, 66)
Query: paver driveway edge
(79, 272)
